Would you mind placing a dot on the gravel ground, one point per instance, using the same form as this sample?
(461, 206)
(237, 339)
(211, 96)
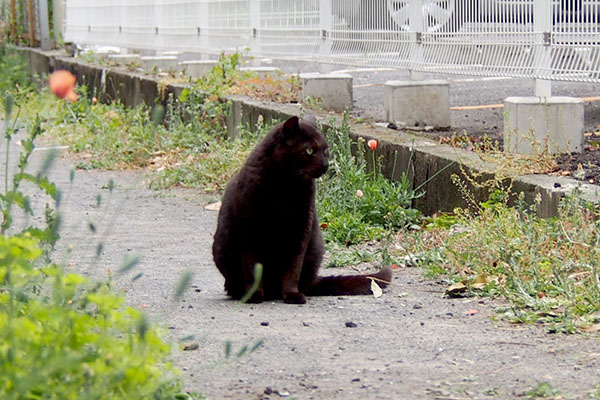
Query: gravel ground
(411, 343)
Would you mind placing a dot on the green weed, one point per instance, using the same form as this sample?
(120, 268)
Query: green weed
(357, 204)
(543, 390)
(547, 268)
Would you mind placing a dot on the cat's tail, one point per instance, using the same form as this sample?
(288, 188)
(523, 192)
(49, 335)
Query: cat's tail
(342, 285)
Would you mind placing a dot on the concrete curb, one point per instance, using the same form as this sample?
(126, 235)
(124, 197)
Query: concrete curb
(402, 152)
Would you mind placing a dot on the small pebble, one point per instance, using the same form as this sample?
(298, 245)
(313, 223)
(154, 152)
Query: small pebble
(189, 347)
(264, 323)
(351, 324)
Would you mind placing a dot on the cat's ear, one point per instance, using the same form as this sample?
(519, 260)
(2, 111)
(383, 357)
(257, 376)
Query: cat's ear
(291, 125)
(290, 128)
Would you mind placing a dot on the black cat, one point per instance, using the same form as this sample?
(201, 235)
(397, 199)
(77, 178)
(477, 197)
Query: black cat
(268, 216)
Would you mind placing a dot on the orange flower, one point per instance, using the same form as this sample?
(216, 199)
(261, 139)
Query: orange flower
(62, 84)
(372, 144)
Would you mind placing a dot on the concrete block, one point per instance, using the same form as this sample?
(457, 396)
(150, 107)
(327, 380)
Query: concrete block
(536, 124)
(162, 63)
(177, 54)
(418, 103)
(123, 59)
(334, 90)
(197, 68)
(264, 72)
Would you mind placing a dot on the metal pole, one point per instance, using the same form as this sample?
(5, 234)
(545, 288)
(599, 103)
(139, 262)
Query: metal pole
(542, 28)
(13, 11)
(255, 49)
(325, 24)
(416, 27)
(44, 26)
(31, 23)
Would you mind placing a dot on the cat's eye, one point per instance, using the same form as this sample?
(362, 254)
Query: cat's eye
(309, 150)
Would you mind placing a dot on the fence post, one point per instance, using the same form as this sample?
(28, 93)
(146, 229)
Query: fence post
(254, 8)
(44, 25)
(325, 25)
(542, 28)
(416, 28)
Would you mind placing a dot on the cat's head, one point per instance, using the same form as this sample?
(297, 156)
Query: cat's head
(301, 149)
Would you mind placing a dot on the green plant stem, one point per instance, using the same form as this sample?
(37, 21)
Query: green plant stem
(433, 176)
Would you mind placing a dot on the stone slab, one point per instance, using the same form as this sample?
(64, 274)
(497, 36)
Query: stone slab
(533, 125)
(418, 103)
(162, 63)
(333, 90)
(197, 68)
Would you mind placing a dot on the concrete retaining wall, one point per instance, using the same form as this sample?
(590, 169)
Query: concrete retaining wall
(403, 152)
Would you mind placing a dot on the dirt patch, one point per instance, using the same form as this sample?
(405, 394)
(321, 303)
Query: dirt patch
(584, 166)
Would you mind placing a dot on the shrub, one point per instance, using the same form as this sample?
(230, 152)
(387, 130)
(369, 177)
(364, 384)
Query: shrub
(65, 337)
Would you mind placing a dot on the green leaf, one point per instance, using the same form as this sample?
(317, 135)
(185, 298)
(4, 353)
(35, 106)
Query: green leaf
(242, 351)
(99, 249)
(9, 101)
(256, 345)
(227, 348)
(143, 326)
(129, 261)
(138, 276)
(183, 284)
(41, 181)
(258, 271)
(48, 161)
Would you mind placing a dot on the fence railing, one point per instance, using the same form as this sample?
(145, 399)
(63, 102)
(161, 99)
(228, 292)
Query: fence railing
(543, 39)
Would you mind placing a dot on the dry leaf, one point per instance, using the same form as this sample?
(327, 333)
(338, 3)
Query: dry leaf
(591, 329)
(213, 207)
(377, 292)
(456, 289)
(480, 281)
(471, 312)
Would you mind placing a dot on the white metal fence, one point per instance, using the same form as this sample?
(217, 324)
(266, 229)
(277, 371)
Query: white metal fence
(543, 39)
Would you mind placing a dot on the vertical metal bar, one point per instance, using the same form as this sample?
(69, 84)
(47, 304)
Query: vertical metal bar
(13, 11)
(542, 28)
(417, 26)
(44, 25)
(58, 8)
(31, 23)
(255, 14)
(325, 25)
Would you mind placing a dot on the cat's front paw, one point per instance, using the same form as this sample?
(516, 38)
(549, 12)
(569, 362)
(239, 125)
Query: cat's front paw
(294, 298)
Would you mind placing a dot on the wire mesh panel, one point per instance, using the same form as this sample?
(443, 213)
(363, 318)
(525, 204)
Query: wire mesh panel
(288, 28)
(547, 39)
